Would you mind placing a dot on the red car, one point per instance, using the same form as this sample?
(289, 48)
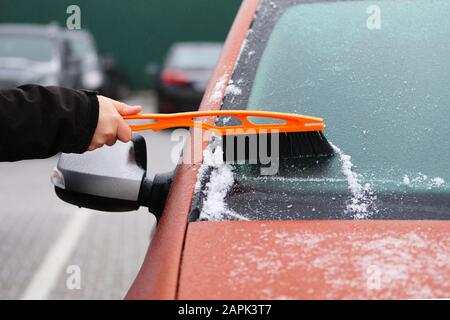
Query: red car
(186, 72)
(371, 222)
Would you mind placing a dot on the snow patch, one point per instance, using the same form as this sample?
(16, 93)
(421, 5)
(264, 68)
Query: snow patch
(221, 180)
(406, 180)
(234, 90)
(218, 89)
(225, 120)
(422, 179)
(362, 202)
(244, 45)
(438, 181)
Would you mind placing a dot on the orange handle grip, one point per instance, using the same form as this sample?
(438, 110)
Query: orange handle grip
(290, 122)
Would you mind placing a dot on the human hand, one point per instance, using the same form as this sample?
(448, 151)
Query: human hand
(111, 125)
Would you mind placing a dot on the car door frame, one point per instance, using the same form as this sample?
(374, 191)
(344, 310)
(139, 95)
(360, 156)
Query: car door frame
(159, 274)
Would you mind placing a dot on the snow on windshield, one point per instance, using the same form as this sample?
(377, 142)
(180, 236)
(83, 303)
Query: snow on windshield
(361, 204)
(221, 179)
(383, 96)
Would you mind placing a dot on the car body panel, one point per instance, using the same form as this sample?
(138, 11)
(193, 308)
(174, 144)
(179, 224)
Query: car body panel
(307, 259)
(316, 260)
(158, 277)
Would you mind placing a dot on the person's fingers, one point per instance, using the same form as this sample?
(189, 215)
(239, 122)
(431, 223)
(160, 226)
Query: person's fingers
(110, 137)
(124, 132)
(106, 133)
(111, 126)
(130, 110)
(125, 109)
(93, 146)
(111, 141)
(107, 139)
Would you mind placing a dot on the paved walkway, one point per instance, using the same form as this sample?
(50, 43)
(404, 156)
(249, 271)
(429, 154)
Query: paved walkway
(49, 249)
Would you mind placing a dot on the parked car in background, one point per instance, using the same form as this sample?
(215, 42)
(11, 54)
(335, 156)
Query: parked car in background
(185, 75)
(49, 55)
(115, 82)
(83, 47)
(36, 54)
(98, 72)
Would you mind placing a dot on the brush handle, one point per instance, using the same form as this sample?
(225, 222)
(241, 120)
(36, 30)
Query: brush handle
(291, 122)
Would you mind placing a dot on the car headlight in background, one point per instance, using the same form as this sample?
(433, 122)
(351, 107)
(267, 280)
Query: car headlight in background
(92, 80)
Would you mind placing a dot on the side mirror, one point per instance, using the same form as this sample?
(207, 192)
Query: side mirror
(111, 179)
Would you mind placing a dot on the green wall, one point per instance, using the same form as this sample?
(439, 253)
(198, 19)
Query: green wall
(135, 32)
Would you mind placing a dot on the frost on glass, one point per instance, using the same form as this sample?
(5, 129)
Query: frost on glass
(384, 95)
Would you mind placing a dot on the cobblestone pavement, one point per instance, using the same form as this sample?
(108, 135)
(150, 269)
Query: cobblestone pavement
(45, 243)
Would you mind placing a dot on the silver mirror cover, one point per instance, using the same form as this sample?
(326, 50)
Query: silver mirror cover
(111, 172)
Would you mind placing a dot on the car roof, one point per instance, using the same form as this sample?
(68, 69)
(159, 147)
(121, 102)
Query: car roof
(195, 44)
(187, 49)
(30, 29)
(78, 34)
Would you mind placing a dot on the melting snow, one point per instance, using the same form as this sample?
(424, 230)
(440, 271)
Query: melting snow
(422, 179)
(225, 120)
(438, 181)
(218, 89)
(243, 47)
(361, 205)
(406, 180)
(233, 89)
(220, 181)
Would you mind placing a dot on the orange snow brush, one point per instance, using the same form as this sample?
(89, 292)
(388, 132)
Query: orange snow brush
(298, 135)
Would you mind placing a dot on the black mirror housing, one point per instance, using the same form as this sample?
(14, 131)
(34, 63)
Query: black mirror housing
(111, 179)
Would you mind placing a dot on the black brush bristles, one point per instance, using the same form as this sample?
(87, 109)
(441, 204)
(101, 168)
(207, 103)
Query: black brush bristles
(257, 148)
(304, 144)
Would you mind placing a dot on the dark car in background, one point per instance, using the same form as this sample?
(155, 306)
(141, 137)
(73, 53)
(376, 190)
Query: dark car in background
(36, 54)
(98, 72)
(115, 83)
(49, 55)
(83, 47)
(185, 75)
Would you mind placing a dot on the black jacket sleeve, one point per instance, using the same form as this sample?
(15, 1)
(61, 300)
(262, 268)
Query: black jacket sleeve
(38, 122)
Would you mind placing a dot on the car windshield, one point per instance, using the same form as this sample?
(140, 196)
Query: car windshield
(383, 91)
(201, 56)
(33, 48)
(82, 48)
